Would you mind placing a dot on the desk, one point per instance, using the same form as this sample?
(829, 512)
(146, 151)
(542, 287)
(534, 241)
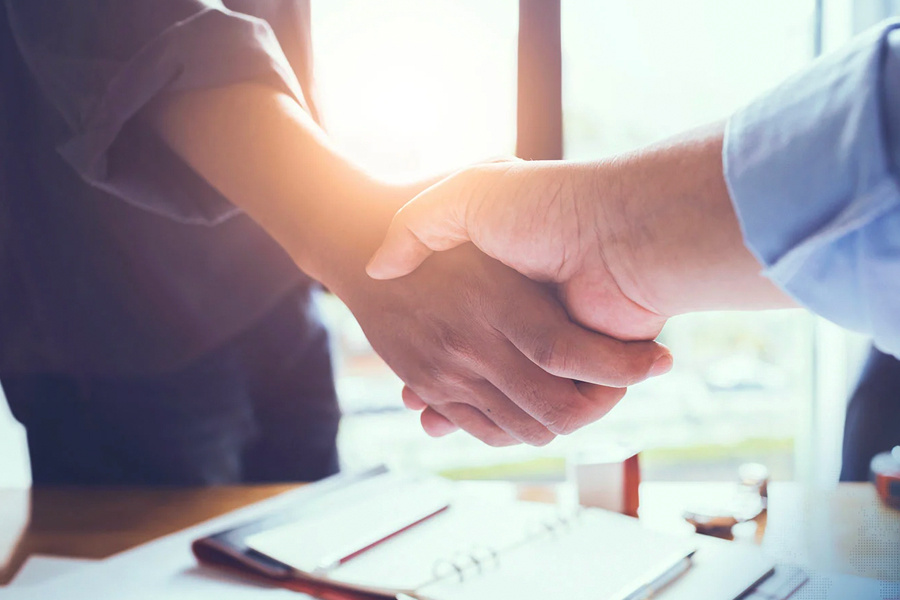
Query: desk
(846, 530)
(97, 523)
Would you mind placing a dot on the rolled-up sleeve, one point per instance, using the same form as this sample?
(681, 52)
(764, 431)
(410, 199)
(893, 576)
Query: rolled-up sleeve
(99, 62)
(813, 169)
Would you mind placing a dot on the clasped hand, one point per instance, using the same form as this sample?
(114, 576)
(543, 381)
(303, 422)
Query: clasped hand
(542, 366)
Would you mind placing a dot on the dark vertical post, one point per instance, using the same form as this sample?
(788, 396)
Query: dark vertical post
(539, 117)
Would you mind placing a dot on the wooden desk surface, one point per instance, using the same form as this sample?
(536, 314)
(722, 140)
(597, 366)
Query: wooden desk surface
(97, 523)
(846, 530)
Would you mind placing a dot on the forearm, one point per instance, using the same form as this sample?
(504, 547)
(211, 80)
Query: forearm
(813, 169)
(263, 152)
(674, 243)
(466, 334)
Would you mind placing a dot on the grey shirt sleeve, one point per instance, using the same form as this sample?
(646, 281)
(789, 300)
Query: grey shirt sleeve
(99, 62)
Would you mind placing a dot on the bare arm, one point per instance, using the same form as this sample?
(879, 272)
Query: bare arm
(481, 345)
(263, 152)
(630, 241)
(672, 232)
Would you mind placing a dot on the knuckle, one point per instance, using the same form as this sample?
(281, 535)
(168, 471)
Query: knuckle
(501, 440)
(467, 181)
(437, 381)
(529, 395)
(560, 422)
(566, 415)
(626, 369)
(563, 425)
(539, 437)
(551, 355)
(456, 344)
(494, 437)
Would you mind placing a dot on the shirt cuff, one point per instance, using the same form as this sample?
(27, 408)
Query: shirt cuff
(808, 173)
(213, 48)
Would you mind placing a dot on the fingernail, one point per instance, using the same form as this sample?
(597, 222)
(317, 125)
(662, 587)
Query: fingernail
(373, 268)
(662, 365)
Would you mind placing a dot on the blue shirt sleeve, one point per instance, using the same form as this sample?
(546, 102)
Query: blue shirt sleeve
(99, 62)
(813, 169)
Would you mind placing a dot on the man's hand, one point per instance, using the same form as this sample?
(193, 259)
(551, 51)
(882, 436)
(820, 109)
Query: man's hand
(484, 347)
(494, 352)
(538, 218)
(629, 242)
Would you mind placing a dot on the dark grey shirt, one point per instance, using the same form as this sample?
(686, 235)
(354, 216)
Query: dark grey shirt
(115, 257)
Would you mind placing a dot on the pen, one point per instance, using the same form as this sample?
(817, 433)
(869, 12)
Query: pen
(652, 588)
(377, 538)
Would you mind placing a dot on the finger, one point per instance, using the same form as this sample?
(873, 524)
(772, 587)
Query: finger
(543, 332)
(557, 403)
(602, 397)
(582, 355)
(473, 422)
(411, 399)
(481, 394)
(497, 407)
(432, 221)
(435, 424)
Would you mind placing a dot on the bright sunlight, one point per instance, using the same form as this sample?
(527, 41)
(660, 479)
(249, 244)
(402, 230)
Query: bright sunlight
(431, 88)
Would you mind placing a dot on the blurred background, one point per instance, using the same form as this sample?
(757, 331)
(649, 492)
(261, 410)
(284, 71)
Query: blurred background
(410, 89)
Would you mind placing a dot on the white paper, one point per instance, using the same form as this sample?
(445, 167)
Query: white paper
(599, 556)
(317, 539)
(40, 569)
(472, 525)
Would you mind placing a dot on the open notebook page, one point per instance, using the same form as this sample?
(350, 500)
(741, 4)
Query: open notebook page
(473, 523)
(602, 556)
(470, 527)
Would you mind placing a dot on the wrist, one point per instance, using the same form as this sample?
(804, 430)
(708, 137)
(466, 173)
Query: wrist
(672, 238)
(335, 246)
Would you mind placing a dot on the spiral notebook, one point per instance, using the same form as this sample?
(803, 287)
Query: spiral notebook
(394, 536)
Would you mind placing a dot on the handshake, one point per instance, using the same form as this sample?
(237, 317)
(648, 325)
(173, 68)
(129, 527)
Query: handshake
(517, 300)
(577, 268)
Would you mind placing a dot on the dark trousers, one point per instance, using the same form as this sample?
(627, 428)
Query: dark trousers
(873, 416)
(261, 408)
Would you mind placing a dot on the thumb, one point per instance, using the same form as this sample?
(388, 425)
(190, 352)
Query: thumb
(432, 221)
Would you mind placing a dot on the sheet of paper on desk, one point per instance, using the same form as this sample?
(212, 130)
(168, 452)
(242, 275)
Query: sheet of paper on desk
(318, 539)
(405, 561)
(601, 556)
(40, 569)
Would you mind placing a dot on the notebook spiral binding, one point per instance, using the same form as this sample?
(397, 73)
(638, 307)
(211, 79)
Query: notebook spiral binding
(480, 558)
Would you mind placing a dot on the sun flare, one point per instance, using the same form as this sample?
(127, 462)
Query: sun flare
(409, 89)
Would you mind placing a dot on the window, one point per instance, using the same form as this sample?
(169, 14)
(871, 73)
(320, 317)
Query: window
(427, 87)
(633, 73)
(408, 90)
(637, 71)
(411, 89)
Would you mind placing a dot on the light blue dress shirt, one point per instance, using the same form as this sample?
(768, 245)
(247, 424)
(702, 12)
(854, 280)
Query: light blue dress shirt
(813, 168)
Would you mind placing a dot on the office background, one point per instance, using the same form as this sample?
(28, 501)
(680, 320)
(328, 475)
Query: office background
(765, 387)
